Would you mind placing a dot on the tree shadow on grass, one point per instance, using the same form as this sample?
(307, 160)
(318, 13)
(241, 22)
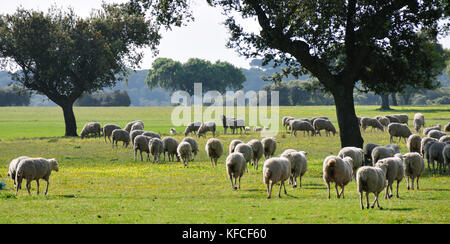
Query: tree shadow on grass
(399, 209)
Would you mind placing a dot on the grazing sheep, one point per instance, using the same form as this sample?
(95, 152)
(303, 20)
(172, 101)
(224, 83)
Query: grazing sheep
(235, 164)
(424, 141)
(91, 128)
(383, 120)
(137, 126)
(301, 125)
(447, 127)
(285, 121)
(129, 125)
(324, 124)
(151, 134)
(135, 133)
(426, 130)
(108, 129)
(357, 155)
(214, 150)
(381, 152)
(398, 130)
(194, 145)
(276, 170)
(269, 145)
(141, 144)
(170, 146)
(35, 169)
(156, 147)
(205, 127)
(192, 127)
(367, 149)
(371, 180)
(403, 118)
(392, 119)
(247, 129)
(246, 150)
(233, 145)
(446, 156)
(120, 135)
(318, 117)
(299, 165)
(433, 152)
(339, 171)
(437, 134)
(413, 143)
(445, 139)
(394, 167)
(258, 151)
(12, 169)
(172, 131)
(413, 166)
(184, 151)
(419, 121)
(374, 123)
(233, 124)
(256, 128)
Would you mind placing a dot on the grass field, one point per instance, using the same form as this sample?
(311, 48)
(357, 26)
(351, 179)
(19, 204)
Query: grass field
(98, 184)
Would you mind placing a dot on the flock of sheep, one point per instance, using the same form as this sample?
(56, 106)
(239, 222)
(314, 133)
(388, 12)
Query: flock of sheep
(374, 167)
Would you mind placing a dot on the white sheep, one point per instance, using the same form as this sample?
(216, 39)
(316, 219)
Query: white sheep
(129, 125)
(357, 155)
(371, 180)
(398, 130)
(120, 135)
(394, 172)
(433, 152)
(172, 131)
(246, 150)
(301, 125)
(403, 118)
(247, 129)
(424, 141)
(12, 169)
(194, 145)
(205, 127)
(151, 134)
(437, 134)
(256, 128)
(233, 145)
(139, 125)
(276, 170)
(141, 144)
(339, 171)
(413, 143)
(374, 123)
(235, 164)
(135, 133)
(192, 127)
(108, 129)
(446, 156)
(367, 149)
(258, 151)
(299, 165)
(285, 121)
(324, 124)
(426, 130)
(91, 128)
(156, 147)
(419, 121)
(413, 166)
(184, 151)
(35, 169)
(381, 152)
(383, 120)
(270, 146)
(170, 146)
(214, 150)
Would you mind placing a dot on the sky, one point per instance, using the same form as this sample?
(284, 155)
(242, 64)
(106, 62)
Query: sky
(204, 38)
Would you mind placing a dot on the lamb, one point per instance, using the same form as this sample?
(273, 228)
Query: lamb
(258, 151)
(413, 143)
(368, 149)
(91, 128)
(35, 169)
(374, 123)
(419, 121)
(301, 125)
(424, 141)
(403, 118)
(108, 129)
(172, 131)
(214, 150)
(323, 124)
(437, 134)
(170, 146)
(141, 144)
(120, 135)
(192, 127)
(184, 151)
(156, 147)
(398, 130)
(135, 133)
(129, 125)
(445, 139)
(299, 165)
(276, 170)
(151, 134)
(433, 152)
(233, 145)
(235, 164)
(205, 127)
(194, 145)
(371, 180)
(246, 150)
(269, 145)
(394, 171)
(413, 166)
(12, 170)
(339, 171)
(357, 155)
(381, 152)
(426, 130)
(446, 156)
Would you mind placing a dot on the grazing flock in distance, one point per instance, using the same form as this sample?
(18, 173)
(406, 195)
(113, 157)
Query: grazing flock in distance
(374, 167)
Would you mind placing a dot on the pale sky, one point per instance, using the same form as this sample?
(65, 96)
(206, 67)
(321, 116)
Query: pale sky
(205, 38)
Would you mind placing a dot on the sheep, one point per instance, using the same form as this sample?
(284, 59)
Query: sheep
(426, 130)
(447, 127)
(299, 165)
(424, 141)
(413, 143)
(445, 139)
(120, 135)
(398, 130)
(436, 134)
(236, 165)
(374, 123)
(205, 127)
(108, 129)
(419, 121)
(357, 155)
(403, 118)
(269, 146)
(192, 127)
(339, 171)
(156, 147)
(35, 169)
(323, 124)
(383, 120)
(214, 150)
(194, 145)
(276, 170)
(318, 117)
(129, 125)
(233, 123)
(246, 150)
(392, 119)
(170, 146)
(135, 133)
(446, 156)
(91, 128)
(381, 152)
(184, 152)
(413, 166)
(151, 134)
(301, 125)
(371, 180)
(394, 171)
(12, 169)
(285, 121)
(247, 129)
(139, 125)
(141, 144)
(367, 149)
(433, 152)
(233, 145)
(256, 128)
(258, 151)
(172, 131)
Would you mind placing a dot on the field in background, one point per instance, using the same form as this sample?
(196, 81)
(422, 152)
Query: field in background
(97, 184)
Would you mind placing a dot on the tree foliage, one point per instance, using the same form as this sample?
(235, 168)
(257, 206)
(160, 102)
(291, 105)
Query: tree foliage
(117, 98)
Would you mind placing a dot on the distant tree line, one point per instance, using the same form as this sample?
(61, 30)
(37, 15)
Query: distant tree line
(118, 98)
(14, 96)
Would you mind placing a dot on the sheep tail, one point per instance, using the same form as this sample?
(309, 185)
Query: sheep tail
(267, 176)
(330, 167)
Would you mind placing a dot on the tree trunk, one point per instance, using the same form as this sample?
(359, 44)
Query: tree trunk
(394, 99)
(385, 102)
(69, 119)
(348, 123)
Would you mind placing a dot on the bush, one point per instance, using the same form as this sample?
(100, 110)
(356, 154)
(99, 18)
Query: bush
(105, 99)
(14, 96)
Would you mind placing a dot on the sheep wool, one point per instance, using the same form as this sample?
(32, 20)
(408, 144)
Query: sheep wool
(233, 145)
(270, 146)
(235, 164)
(357, 155)
(419, 121)
(108, 129)
(120, 135)
(12, 169)
(156, 147)
(214, 150)
(398, 130)
(35, 169)
(371, 180)
(91, 128)
(337, 170)
(184, 151)
(194, 145)
(413, 143)
(258, 151)
(170, 146)
(394, 172)
(413, 167)
(276, 170)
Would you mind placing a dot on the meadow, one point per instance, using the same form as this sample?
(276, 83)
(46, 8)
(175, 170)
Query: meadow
(99, 184)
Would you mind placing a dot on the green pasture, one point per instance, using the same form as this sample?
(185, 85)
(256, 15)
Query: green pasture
(99, 184)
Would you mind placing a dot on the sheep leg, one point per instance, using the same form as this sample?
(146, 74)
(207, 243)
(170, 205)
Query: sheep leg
(279, 192)
(46, 189)
(417, 183)
(284, 186)
(398, 182)
(232, 183)
(367, 200)
(337, 191)
(148, 157)
(361, 199)
(328, 186)
(407, 182)
(141, 156)
(29, 187)
(37, 185)
(239, 182)
(342, 192)
(270, 189)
